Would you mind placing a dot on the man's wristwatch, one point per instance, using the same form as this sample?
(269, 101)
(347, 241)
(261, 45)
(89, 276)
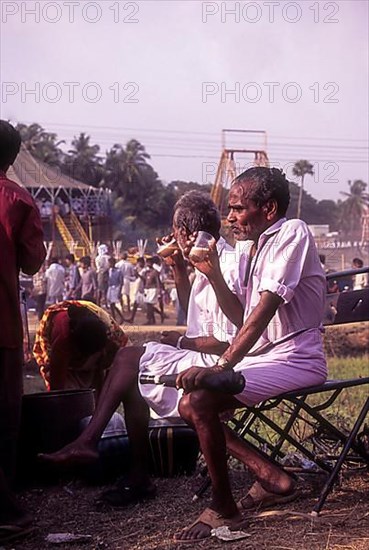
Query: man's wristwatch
(224, 364)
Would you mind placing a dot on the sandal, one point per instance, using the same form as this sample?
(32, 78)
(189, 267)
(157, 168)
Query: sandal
(125, 495)
(260, 498)
(211, 519)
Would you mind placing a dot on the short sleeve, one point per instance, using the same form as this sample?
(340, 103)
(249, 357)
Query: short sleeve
(284, 260)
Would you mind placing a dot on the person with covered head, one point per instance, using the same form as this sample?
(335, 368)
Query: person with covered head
(278, 349)
(206, 338)
(128, 274)
(75, 345)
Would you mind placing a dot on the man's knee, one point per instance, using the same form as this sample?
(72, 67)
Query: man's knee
(197, 404)
(129, 357)
(184, 407)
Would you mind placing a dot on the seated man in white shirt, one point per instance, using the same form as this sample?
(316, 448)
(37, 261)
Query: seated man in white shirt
(207, 337)
(284, 288)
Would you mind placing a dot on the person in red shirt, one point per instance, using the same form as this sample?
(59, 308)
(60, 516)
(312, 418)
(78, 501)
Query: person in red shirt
(22, 248)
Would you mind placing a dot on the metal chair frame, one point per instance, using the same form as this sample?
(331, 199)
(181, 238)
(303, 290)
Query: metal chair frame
(244, 425)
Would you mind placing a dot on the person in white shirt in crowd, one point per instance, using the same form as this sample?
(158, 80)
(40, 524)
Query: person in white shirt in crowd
(159, 267)
(48, 208)
(180, 314)
(139, 293)
(102, 268)
(129, 276)
(55, 277)
(113, 295)
(73, 278)
(207, 337)
(152, 288)
(87, 286)
(39, 291)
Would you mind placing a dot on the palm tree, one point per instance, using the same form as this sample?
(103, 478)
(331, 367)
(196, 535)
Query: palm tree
(127, 171)
(82, 162)
(42, 145)
(300, 169)
(352, 209)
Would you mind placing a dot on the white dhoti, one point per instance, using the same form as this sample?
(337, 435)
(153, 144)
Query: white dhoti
(295, 364)
(113, 295)
(205, 318)
(126, 287)
(159, 359)
(151, 295)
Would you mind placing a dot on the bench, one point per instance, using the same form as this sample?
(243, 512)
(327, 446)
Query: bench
(327, 445)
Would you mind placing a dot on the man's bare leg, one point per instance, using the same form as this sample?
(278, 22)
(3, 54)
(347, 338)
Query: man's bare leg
(202, 409)
(270, 476)
(115, 312)
(128, 300)
(122, 378)
(137, 415)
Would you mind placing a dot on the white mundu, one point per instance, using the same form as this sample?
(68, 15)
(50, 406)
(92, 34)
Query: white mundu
(205, 318)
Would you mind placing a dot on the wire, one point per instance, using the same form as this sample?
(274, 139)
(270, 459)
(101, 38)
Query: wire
(203, 148)
(191, 132)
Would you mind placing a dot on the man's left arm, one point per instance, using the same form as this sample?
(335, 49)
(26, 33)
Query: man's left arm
(253, 328)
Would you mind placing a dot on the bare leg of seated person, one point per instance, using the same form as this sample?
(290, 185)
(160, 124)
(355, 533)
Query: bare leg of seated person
(121, 385)
(273, 485)
(121, 379)
(202, 409)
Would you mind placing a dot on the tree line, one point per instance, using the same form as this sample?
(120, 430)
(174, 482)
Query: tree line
(143, 203)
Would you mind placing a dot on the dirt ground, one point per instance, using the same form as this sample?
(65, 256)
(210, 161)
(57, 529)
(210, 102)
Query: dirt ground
(70, 507)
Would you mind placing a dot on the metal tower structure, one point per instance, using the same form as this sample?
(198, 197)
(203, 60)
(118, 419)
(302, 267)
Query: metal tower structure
(227, 168)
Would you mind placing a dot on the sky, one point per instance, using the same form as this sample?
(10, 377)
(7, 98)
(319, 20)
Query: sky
(173, 74)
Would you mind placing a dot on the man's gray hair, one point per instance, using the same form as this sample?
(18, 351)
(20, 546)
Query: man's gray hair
(195, 211)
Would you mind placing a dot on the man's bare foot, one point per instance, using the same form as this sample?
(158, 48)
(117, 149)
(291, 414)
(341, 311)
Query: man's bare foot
(71, 454)
(209, 519)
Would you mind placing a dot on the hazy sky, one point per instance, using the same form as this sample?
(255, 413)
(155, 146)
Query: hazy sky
(174, 73)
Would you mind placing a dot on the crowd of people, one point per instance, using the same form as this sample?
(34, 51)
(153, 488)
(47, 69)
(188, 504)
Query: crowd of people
(251, 312)
(120, 285)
